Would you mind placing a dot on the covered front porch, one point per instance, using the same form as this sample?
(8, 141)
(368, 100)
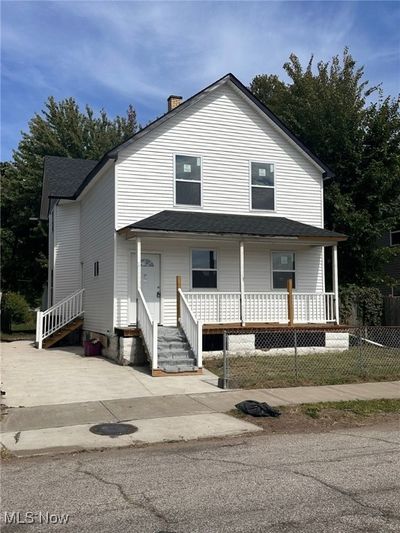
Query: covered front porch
(210, 279)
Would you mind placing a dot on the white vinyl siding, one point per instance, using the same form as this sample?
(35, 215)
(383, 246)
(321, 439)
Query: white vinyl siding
(66, 257)
(228, 133)
(176, 260)
(97, 245)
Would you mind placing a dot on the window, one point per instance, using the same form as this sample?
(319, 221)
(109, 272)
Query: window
(262, 186)
(283, 268)
(395, 237)
(396, 290)
(204, 269)
(96, 270)
(187, 180)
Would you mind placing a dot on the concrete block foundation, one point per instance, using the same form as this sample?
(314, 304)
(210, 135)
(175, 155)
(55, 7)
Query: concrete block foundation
(245, 345)
(122, 350)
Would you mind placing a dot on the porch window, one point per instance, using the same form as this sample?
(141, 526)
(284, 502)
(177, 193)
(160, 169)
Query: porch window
(283, 268)
(204, 269)
(187, 180)
(262, 186)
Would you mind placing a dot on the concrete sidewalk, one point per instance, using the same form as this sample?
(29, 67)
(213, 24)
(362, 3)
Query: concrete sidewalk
(172, 417)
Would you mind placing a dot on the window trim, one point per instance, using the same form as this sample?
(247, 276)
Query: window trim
(192, 206)
(203, 289)
(273, 270)
(391, 235)
(263, 162)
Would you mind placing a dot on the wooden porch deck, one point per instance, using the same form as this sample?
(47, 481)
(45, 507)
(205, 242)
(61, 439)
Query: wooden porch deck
(209, 329)
(213, 329)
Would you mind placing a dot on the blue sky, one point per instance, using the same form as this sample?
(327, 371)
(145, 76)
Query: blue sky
(111, 54)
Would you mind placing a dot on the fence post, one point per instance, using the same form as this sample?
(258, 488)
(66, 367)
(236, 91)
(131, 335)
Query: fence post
(290, 302)
(178, 300)
(296, 368)
(360, 352)
(199, 344)
(225, 377)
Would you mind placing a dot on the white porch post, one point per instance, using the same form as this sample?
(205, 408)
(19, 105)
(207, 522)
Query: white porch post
(241, 273)
(138, 273)
(335, 281)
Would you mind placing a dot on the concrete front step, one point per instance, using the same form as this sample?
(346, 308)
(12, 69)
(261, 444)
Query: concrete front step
(174, 354)
(162, 356)
(178, 368)
(170, 335)
(177, 363)
(173, 345)
(181, 352)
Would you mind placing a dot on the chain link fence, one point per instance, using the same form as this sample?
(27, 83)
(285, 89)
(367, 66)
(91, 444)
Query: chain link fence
(290, 357)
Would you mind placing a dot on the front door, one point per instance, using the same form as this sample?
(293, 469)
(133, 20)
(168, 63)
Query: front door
(151, 283)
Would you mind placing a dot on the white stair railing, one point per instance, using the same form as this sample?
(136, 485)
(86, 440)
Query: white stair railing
(192, 328)
(148, 326)
(57, 316)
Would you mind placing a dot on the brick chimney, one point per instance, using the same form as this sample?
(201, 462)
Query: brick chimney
(174, 101)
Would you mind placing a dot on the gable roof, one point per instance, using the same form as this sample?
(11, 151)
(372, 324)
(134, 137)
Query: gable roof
(219, 224)
(62, 176)
(248, 94)
(228, 78)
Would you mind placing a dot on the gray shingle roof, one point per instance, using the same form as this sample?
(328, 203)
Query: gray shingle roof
(62, 176)
(262, 226)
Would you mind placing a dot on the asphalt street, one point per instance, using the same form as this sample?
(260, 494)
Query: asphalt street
(343, 481)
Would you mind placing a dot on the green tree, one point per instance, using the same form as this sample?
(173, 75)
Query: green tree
(356, 132)
(61, 129)
(14, 309)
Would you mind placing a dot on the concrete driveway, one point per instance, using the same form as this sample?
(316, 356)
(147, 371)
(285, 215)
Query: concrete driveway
(33, 377)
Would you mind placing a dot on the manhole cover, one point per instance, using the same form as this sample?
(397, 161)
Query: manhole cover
(113, 430)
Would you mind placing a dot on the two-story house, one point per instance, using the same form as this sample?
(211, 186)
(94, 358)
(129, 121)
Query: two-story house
(212, 215)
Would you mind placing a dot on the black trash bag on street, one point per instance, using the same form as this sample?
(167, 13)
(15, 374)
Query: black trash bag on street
(253, 408)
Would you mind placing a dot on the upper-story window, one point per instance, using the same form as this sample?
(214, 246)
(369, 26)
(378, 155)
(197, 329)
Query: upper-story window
(262, 186)
(187, 180)
(395, 238)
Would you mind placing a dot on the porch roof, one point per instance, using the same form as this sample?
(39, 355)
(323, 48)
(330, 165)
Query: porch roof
(224, 224)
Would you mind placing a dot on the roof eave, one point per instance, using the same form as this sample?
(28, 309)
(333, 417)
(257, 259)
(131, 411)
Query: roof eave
(133, 231)
(110, 156)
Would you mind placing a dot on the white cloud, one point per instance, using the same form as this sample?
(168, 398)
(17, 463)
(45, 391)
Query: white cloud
(140, 52)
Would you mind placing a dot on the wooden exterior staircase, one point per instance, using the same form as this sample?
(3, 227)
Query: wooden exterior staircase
(63, 332)
(59, 320)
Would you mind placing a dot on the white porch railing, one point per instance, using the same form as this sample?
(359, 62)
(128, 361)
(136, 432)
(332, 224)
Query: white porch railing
(149, 328)
(225, 307)
(311, 307)
(192, 327)
(57, 316)
(266, 307)
(214, 307)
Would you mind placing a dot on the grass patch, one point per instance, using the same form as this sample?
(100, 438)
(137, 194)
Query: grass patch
(326, 416)
(22, 332)
(5, 453)
(357, 407)
(352, 366)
